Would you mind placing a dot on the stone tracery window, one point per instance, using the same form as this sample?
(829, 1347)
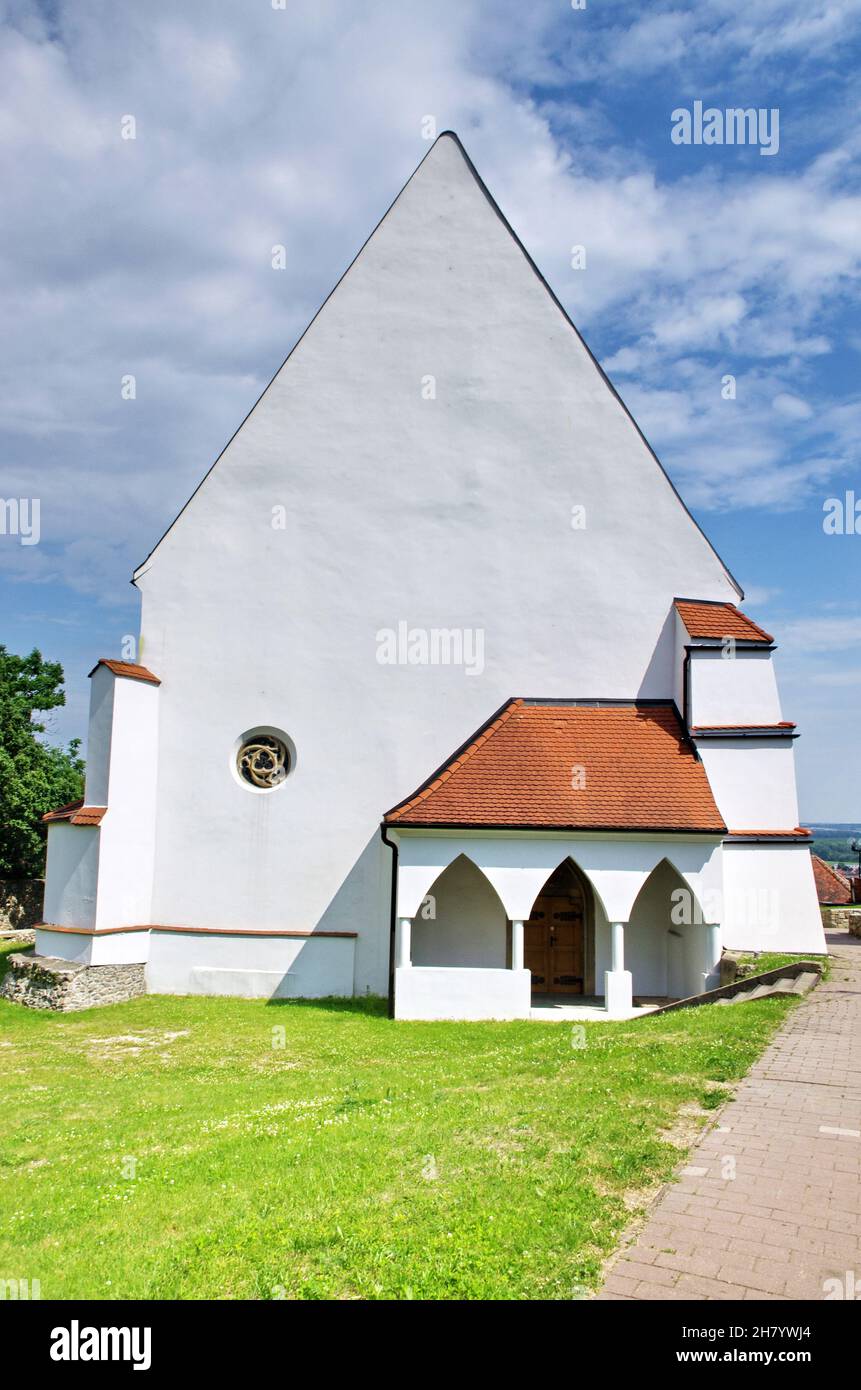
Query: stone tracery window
(263, 761)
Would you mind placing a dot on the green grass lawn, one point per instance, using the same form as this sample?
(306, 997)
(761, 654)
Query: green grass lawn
(757, 962)
(172, 1148)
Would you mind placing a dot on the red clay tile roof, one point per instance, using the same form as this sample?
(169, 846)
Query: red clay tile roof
(718, 620)
(831, 885)
(127, 668)
(635, 768)
(76, 813)
(89, 815)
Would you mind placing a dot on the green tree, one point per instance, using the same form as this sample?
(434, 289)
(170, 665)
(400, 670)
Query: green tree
(34, 777)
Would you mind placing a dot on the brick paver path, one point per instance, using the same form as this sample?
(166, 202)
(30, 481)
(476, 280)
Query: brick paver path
(790, 1218)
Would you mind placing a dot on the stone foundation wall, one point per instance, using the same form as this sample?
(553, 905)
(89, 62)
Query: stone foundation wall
(20, 903)
(43, 982)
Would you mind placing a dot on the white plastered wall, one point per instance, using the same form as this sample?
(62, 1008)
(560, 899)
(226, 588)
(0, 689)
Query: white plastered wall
(752, 781)
(71, 875)
(100, 877)
(740, 689)
(770, 901)
(127, 831)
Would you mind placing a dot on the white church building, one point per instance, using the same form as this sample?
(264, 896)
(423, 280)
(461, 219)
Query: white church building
(443, 693)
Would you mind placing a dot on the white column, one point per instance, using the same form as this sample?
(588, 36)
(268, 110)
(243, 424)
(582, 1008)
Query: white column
(617, 932)
(402, 945)
(618, 984)
(711, 979)
(517, 945)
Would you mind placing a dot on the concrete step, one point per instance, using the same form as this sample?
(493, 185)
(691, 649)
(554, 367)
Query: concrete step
(784, 980)
(802, 983)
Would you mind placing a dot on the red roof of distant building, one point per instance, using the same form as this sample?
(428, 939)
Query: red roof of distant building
(127, 668)
(569, 765)
(719, 620)
(831, 885)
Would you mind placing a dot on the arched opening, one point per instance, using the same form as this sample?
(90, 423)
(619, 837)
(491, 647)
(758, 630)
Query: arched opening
(665, 941)
(461, 921)
(559, 937)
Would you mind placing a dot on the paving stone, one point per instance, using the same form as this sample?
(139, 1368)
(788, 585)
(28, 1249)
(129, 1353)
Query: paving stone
(791, 1218)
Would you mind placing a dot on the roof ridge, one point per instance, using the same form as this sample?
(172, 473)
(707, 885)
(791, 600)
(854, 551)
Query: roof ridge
(594, 701)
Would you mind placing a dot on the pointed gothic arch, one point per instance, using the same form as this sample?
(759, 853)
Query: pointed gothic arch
(665, 940)
(559, 934)
(461, 921)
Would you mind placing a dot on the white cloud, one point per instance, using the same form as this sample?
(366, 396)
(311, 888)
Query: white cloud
(791, 406)
(818, 634)
(758, 594)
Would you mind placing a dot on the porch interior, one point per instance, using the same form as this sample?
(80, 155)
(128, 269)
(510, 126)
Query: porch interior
(468, 959)
(565, 1008)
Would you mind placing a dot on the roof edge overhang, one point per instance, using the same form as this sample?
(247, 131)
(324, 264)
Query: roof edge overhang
(595, 832)
(752, 731)
(768, 837)
(714, 644)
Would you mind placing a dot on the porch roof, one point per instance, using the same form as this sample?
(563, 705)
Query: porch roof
(130, 669)
(570, 765)
(704, 619)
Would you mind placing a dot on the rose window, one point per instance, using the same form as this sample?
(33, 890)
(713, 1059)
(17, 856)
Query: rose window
(263, 761)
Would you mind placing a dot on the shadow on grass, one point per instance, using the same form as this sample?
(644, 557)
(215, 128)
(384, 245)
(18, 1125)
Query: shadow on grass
(368, 1006)
(8, 948)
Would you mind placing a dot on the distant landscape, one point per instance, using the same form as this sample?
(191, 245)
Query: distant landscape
(833, 841)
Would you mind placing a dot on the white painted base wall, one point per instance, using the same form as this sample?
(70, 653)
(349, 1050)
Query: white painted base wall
(250, 966)
(112, 948)
(434, 992)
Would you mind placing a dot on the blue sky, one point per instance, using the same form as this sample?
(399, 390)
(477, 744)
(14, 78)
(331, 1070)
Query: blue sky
(258, 126)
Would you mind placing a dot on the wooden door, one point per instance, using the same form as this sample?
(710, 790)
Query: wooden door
(555, 937)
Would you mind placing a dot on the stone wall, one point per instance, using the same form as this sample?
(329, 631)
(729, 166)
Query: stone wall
(843, 919)
(44, 982)
(20, 903)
